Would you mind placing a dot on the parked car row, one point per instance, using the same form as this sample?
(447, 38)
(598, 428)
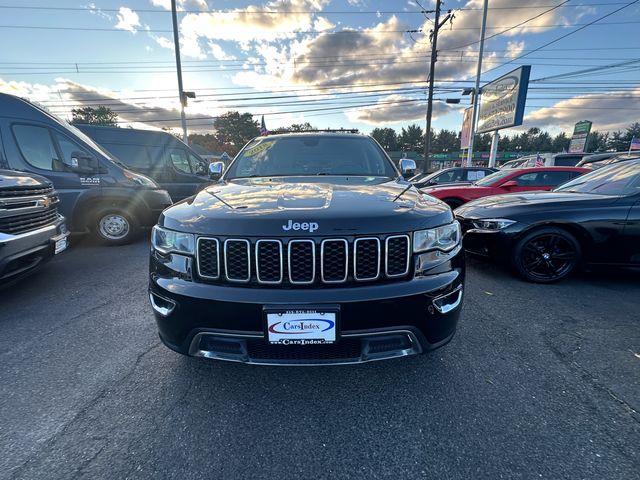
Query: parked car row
(505, 181)
(451, 175)
(591, 220)
(56, 179)
(546, 160)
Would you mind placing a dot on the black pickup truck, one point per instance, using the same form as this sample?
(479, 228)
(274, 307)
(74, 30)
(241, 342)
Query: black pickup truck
(311, 249)
(31, 229)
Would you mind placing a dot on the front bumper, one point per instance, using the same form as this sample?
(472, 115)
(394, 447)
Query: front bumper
(23, 253)
(377, 321)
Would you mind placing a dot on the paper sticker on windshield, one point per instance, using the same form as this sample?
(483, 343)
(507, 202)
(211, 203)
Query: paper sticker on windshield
(258, 149)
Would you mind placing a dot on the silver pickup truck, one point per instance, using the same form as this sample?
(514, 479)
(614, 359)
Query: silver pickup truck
(31, 229)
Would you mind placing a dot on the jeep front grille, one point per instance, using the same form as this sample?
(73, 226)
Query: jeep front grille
(304, 262)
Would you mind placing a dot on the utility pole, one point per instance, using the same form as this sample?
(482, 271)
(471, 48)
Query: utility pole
(183, 98)
(432, 65)
(476, 92)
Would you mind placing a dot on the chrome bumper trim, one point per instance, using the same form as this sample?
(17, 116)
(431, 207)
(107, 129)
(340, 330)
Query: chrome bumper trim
(364, 357)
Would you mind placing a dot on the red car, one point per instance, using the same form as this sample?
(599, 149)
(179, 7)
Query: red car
(505, 181)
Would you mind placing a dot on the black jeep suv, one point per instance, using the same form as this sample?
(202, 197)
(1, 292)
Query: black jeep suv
(310, 249)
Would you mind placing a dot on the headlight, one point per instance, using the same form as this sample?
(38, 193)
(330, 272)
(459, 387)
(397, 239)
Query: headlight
(444, 238)
(140, 179)
(166, 241)
(492, 223)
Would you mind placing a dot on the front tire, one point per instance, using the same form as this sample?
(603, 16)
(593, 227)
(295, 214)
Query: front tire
(115, 227)
(546, 255)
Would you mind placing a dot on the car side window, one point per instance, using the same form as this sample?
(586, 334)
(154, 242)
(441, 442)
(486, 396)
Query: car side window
(449, 177)
(197, 165)
(473, 175)
(67, 147)
(566, 161)
(37, 147)
(134, 156)
(527, 179)
(180, 160)
(554, 179)
(543, 179)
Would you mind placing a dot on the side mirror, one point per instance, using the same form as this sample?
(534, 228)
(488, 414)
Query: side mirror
(215, 170)
(407, 167)
(82, 162)
(510, 184)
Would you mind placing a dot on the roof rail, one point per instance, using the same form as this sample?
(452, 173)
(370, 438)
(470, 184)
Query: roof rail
(315, 130)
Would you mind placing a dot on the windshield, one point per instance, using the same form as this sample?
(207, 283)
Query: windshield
(490, 179)
(617, 179)
(307, 155)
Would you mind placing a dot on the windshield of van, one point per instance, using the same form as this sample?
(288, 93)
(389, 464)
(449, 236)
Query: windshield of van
(306, 155)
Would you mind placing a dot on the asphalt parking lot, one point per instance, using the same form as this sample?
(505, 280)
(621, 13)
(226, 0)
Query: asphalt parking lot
(540, 382)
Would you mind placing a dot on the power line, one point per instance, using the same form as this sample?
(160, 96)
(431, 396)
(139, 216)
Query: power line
(294, 12)
(514, 26)
(555, 40)
(151, 30)
(222, 11)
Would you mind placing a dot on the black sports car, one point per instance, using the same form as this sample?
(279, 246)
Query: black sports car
(593, 219)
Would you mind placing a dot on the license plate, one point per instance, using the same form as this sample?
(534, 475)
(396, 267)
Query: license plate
(60, 245)
(301, 327)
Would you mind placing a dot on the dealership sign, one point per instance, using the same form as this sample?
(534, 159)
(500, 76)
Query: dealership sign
(502, 101)
(580, 137)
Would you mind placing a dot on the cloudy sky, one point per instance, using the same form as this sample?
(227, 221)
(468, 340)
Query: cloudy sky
(333, 63)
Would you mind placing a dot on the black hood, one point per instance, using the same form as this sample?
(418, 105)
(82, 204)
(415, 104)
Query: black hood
(514, 204)
(339, 206)
(15, 180)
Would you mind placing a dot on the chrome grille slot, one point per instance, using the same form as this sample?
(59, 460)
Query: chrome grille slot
(397, 249)
(208, 258)
(366, 258)
(334, 260)
(301, 261)
(269, 261)
(237, 260)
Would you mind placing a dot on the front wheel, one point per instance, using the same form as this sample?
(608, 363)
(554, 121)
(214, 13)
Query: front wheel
(546, 255)
(115, 227)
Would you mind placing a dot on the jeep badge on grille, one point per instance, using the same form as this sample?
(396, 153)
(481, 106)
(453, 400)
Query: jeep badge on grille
(307, 226)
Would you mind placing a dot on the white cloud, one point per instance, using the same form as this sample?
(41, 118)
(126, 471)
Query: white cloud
(253, 23)
(608, 111)
(180, 4)
(218, 52)
(395, 109)
(515, 48)
(64, 95)
(164, 42)
(127, 20)
(94, 10)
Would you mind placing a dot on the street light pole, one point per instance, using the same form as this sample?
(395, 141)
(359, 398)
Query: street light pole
(476, 93)
(176, 41)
